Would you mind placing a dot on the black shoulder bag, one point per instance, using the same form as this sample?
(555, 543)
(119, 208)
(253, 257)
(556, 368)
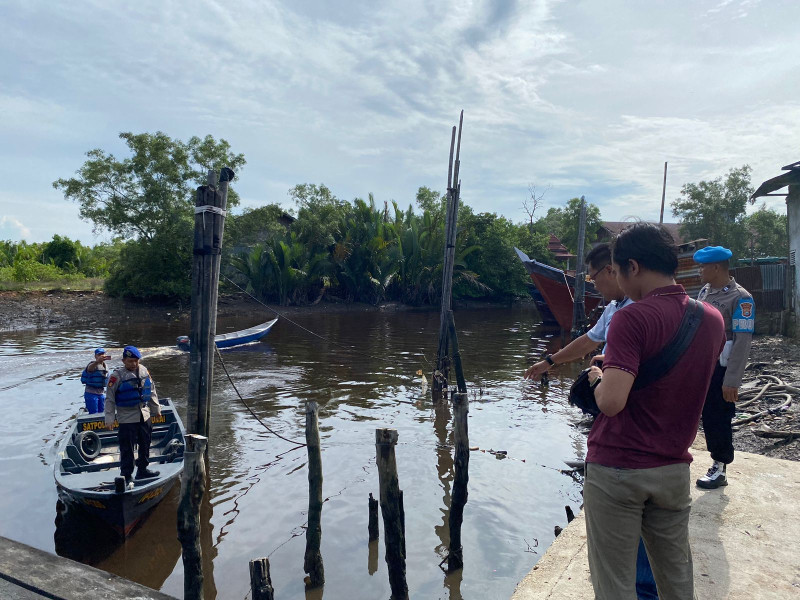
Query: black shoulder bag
(581, 394)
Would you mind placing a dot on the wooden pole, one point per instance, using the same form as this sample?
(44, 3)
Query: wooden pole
(391, 507)
(260, 580)
(663, 194)
(312, 563)
(439, 380)
(193, 483)
(451, 328)
(373, 519)
(455, 557)
(209, 223)
(578, 308)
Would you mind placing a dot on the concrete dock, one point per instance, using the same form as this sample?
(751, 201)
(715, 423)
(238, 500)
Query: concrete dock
(30, 574)
(745, 538)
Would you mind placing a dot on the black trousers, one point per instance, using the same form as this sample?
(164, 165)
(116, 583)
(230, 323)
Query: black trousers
(717, 417)
(130, 434)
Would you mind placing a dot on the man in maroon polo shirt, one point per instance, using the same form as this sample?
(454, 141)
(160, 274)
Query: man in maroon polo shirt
(637, 472)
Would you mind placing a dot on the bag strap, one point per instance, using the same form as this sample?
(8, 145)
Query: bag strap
(659, 365)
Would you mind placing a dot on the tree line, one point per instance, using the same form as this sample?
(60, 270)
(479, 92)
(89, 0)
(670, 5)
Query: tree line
(361, 250)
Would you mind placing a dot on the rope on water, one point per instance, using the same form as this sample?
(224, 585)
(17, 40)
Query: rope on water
(235, 389)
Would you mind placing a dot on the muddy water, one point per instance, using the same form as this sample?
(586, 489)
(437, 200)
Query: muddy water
(257, 501)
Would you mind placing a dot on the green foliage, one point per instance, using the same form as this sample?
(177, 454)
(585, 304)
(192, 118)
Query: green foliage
(715, 210)
(154, 269)
(148, 198)
(767, 233)
(59, 260)
(253, 226)
(564, 223)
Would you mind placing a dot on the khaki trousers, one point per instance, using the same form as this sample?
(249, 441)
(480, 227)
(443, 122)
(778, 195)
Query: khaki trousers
(622, 504)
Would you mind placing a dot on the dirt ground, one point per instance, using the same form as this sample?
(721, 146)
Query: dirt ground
(780, 357)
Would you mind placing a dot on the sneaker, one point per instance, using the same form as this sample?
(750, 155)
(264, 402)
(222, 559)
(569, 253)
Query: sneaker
(146, 473)
(129, 481)
(714, 478)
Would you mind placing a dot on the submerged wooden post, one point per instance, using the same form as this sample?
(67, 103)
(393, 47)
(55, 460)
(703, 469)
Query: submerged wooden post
(373, 519)
(455, 557)
(209, 223)
(312, 563)
(193, 483)
(260, 580)
(451, 327)
(391, 507)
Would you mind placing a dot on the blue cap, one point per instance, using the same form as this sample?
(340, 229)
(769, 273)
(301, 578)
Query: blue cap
(100, 351)
(131, 352)
(712, 254)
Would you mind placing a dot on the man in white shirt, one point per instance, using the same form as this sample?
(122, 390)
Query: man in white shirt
(599, 261)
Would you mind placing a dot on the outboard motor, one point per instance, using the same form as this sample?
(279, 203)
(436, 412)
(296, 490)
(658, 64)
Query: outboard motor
(183, 342)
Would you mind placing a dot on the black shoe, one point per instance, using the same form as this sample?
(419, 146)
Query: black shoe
(716, 477)
(146, 473)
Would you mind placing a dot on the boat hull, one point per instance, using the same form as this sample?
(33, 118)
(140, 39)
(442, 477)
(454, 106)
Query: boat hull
(235, 338)
(555, 287)
(88, 482)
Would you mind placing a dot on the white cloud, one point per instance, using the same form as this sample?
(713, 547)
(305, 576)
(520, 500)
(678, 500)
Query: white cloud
(13, 228)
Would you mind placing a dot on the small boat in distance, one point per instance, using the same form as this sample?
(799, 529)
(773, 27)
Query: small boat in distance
(235, 338)
(87, 469)
(555, 286)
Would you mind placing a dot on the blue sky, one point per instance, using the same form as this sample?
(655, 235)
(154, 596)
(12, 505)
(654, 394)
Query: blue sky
(577, 97)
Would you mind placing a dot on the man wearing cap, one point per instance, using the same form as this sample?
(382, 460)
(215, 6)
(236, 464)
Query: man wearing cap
(739, 312)
(95, 377)
(132, 396)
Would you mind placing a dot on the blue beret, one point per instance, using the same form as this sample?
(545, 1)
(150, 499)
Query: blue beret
(100, 351)
(131, 352)
(712, 254)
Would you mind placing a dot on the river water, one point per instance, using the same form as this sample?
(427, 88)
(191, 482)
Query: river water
(364, 376)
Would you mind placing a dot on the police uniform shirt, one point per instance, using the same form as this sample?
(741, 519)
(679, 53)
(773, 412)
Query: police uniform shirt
(130, 414)
(739, 313)
(94, 390)
(599, 333)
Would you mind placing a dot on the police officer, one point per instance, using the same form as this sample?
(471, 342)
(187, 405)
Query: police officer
(95, 377)
(739, 312)
(132, 396)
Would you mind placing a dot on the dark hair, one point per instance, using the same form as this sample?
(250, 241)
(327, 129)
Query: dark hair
(650, 245)
(600, 256)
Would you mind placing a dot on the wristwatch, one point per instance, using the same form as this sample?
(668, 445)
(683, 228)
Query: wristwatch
(549, 360)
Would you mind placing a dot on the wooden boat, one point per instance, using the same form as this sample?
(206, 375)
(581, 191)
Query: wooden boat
(555, 287)
(87, 469)
(235, 338)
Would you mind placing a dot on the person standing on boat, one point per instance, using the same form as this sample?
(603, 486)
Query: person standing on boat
(637, 464)
(132, 398)
(95, 378)
(739, 312)
(599, 261)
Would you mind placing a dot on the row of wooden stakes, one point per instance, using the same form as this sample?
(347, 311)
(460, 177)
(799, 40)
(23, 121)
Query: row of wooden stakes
(390, 502)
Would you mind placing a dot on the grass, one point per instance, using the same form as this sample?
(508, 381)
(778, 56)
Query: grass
(84, 284)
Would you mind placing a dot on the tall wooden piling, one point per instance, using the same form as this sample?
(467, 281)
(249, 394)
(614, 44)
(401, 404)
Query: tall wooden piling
(392, 510)
(441, 374)
(312, 563)
(455, 557)
(193, 483)
(260, 580)
(579, 307)
(209, 223)
(451, 330)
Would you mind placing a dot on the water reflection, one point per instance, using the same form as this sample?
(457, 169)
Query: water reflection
(147, 557)
(257, 494)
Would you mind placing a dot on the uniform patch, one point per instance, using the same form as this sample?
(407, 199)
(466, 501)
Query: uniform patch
(113, 380)
(743, 319)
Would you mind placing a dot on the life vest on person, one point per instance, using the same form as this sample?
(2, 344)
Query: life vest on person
(134, 391)
(95, 379)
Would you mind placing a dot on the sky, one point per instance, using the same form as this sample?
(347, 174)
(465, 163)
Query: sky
(575, 97)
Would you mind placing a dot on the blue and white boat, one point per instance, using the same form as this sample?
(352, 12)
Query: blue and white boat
(235, 338)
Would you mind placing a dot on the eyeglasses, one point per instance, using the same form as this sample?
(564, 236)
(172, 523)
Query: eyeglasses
(596, 273)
